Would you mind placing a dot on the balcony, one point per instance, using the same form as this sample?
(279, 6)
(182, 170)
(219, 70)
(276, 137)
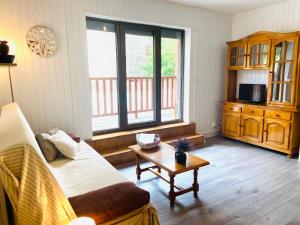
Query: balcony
(139, 100)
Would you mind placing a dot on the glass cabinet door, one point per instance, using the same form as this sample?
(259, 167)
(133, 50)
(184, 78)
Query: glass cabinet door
(282, 75)
(237, 59)
(258, 55)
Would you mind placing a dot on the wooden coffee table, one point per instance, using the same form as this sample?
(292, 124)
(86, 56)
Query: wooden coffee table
(163, 157)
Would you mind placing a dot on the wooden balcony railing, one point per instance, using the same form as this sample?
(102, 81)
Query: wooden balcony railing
(139, 94)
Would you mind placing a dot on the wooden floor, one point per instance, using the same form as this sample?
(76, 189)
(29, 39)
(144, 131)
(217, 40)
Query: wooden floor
(243, 185)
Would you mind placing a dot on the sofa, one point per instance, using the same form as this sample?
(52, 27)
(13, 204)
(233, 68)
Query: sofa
(64, 189)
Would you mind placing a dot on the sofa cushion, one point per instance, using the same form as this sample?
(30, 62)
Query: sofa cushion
(48, 149)
(64, 143)
(110, 202)
(72, 174)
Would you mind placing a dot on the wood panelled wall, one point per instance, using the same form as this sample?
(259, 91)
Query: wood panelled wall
(280, 17)
(55, 92)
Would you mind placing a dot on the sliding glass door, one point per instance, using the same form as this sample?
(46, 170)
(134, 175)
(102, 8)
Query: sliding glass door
(141, 72)
(139, 76)
(171, 75)
(103, 74)
(146, 71)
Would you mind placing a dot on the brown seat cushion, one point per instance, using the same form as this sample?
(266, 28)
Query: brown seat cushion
(110, 202)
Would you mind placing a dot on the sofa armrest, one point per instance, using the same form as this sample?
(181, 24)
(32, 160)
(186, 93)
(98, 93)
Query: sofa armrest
(110, 202)
(74, 137)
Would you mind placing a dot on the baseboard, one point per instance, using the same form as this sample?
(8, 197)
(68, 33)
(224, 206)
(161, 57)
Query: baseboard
(211, 134)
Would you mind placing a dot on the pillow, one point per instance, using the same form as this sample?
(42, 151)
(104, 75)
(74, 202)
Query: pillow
(48, 149)
(53, 131)
(64, 143)
(73, 136)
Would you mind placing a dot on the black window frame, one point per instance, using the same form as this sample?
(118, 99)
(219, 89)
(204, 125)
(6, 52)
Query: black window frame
(120, 31)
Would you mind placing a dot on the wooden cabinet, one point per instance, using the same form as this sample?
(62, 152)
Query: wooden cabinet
(258, 53)
(252, 127)
(274, 124)
(263, 126)
(277, 133)
(282, 79)
(231, 124)
(254, 54)
(237, 56)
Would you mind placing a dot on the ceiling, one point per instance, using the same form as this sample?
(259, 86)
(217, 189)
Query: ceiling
(227, 6)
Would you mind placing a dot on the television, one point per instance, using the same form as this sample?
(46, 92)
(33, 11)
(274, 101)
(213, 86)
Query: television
(254, 93)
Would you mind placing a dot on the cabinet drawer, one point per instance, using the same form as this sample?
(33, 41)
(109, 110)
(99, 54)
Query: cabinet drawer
(278, 114)
(232, 108)
(253, 111)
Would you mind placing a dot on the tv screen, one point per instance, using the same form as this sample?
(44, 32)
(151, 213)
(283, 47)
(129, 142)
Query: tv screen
(252, 92)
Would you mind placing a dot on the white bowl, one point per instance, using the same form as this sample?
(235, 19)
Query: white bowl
(150, 145)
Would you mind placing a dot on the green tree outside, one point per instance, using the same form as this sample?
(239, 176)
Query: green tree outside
(168, 59)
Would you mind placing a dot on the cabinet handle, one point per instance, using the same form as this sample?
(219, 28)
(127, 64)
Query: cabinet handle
(277, 115)
(252, 111)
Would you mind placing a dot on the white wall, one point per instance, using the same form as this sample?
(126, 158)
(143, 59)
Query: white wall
(280, 17)
(55, 92)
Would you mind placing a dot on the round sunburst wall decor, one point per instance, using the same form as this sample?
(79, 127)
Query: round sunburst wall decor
(42, 41)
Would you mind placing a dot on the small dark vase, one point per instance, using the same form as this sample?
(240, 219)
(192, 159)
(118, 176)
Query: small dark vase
(180, 157)
(4, 48)
(181, 146)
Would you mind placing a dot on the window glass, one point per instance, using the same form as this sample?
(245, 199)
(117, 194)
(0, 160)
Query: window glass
(102, 62)
(171, 75)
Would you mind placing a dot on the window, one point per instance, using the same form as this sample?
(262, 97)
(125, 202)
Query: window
(136, 74)
(171, 75)
(102, 57)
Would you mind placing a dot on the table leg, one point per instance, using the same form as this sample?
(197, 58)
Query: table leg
(195, 184)
(138, 167)
(172, 195)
